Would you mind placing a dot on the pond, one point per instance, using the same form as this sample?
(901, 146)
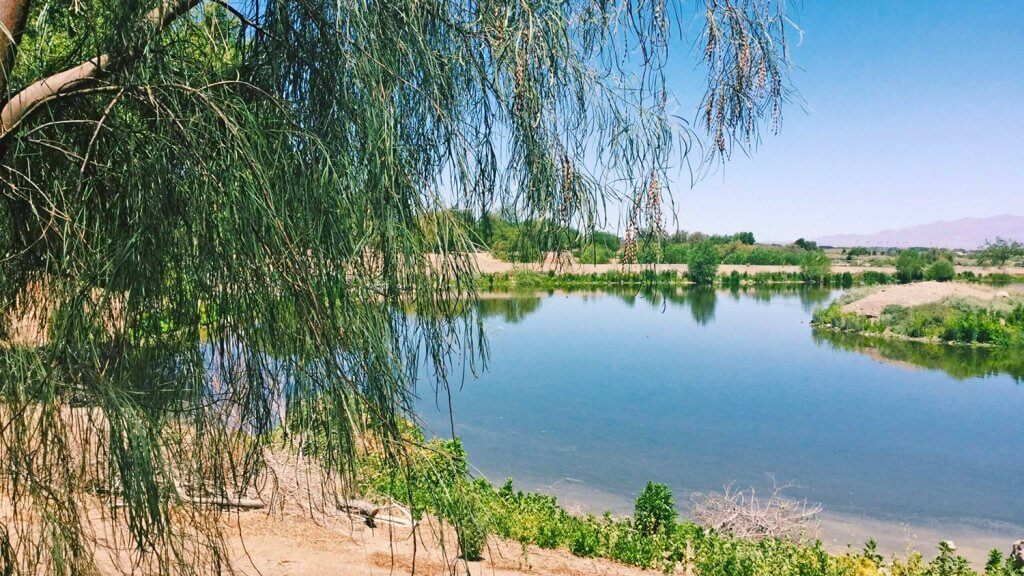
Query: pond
(589, 395)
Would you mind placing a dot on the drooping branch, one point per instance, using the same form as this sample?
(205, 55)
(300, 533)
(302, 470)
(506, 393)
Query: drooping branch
(35, 95)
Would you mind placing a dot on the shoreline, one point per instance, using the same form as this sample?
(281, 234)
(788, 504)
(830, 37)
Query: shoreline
(839, 532)
(488, 264)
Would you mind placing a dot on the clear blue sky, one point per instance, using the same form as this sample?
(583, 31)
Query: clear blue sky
(914, 113)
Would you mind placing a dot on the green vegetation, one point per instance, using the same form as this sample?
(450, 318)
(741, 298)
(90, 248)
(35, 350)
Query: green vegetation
(1000, 252)
(910, 266)
(528, 279)
(816, 267)
(702, 263)
(806, 245)
(437, 482)
(735, 249)
(655, 511)
(955, 321)
(941, 271)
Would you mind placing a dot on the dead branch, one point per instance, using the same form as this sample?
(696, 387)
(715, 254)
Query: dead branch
(371, 512)
(741, 513)
(219, 501)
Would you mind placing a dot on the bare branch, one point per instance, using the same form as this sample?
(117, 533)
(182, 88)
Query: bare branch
(742, 514)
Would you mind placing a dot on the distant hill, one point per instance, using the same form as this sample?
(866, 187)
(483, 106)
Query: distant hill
(968, 233)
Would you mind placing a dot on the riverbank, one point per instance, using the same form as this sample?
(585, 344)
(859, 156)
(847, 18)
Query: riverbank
(839, 532)
(953, 313)
(508, 532)
(297, 546)
(272, 545)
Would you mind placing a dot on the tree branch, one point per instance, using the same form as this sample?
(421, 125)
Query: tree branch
(29, 99)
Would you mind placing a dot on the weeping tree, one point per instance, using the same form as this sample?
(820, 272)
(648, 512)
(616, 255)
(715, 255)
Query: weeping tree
(215, 212)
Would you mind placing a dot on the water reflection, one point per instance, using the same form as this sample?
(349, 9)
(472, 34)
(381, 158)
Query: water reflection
(514, 306)
(960, 362)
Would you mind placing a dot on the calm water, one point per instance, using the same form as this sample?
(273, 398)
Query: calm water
(592, 395)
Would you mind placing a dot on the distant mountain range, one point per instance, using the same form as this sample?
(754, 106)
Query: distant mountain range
(967, 233)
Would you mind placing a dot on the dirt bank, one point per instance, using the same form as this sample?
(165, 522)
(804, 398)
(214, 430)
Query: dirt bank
(919, 293)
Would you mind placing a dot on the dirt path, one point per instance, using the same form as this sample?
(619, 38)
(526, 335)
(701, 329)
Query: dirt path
(919, 293)
(292, 546)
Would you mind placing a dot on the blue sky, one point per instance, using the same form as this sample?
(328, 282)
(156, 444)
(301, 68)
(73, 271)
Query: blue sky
(913, 112)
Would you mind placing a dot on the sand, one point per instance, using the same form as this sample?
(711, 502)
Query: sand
(278, 546)
(919, 293)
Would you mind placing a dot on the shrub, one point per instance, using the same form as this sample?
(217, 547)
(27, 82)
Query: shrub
(815, 267)
(941, 270)
(676, 253)
(703, 263)
(634, 548)
(910, 266)
(585, 540)
(655, 510)
(470, 530)
(511, 246)
(595, 254)
(648, 251)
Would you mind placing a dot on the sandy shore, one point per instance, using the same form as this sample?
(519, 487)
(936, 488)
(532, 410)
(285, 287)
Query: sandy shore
(280, 546)
(275, 545)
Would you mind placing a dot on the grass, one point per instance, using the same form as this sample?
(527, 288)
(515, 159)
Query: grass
(956, 321)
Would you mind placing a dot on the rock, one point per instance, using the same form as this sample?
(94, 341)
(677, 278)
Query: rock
(1017, 555)
(1002, 294)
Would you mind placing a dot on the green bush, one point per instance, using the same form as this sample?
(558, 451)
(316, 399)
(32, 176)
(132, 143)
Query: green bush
(910, 266)
(513, 245)
(594, 254)
(941, 270)
(470, 527)
(675, 253)
(586, 541)
(648, 252)
(702, 264)
(764, 256)
(655, 510)
(815, 267)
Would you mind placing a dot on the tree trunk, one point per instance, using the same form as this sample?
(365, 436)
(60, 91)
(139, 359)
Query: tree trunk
(13, 14)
